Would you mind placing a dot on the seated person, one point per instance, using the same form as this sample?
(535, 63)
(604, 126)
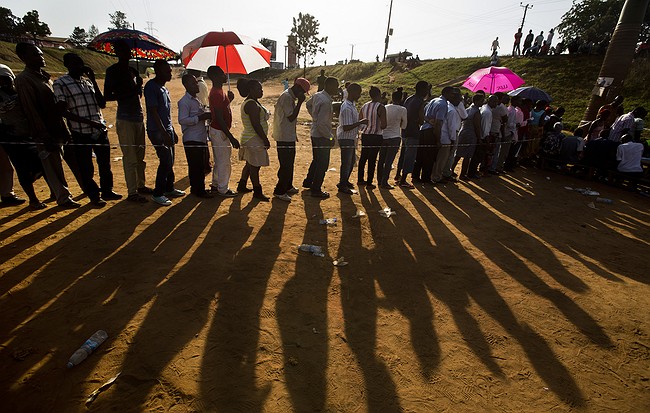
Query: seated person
(601, 154)
(628, 155)
(571, 147)
(551, 142)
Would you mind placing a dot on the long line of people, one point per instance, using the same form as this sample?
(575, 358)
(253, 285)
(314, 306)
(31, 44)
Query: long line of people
(45, 123)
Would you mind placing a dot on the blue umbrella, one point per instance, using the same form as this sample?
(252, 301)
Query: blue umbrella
(532, 93)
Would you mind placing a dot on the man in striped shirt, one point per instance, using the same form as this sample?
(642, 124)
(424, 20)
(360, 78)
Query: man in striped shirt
(347, 133)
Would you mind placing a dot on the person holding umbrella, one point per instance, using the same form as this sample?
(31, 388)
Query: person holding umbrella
(124, 84)
(254, 140)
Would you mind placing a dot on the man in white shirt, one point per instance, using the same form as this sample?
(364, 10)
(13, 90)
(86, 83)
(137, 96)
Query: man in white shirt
(447, 136)
(396, 120)
(628, 155)
(456, 118)
(192, 117)
(321, 111)
(347, 134)
(519, 121)
(481, 148)
(284, 133)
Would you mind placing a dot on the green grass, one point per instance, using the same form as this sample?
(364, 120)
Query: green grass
(54, 59)
(568, 79)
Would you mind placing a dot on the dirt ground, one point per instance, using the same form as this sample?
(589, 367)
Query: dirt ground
(508, 294)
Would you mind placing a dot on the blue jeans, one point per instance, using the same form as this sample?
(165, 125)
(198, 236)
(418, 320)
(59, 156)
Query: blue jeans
(165, 173)
(321, 148)
(409, 153)
(348, 151)
(389, 148)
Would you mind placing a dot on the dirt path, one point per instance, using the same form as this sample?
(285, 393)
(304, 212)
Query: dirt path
(507, 295)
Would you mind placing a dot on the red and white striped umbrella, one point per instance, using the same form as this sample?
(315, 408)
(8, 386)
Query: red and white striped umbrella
(232, 52)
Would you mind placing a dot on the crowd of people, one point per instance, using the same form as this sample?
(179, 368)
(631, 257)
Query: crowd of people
(45, 123)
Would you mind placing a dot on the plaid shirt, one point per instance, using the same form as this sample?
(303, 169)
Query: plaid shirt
(79, 95)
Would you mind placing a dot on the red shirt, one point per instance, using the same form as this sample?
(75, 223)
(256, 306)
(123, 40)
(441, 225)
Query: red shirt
(219, 102)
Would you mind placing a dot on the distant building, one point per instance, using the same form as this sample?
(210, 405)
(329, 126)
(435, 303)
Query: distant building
(292, 59)
(398, 57)
(55, 42)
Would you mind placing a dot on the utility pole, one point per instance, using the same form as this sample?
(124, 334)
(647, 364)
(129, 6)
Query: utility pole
(618, 58)
(352, 53)
(388, 33)
(526, 7)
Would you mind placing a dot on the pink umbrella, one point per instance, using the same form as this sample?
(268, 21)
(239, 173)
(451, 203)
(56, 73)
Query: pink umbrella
(493, 79)
(232, 52)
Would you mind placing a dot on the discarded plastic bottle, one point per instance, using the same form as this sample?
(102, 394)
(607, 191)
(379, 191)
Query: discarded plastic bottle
(328, 221)
(604, 200)
(88, 347)
(309, 248)
(314, 249)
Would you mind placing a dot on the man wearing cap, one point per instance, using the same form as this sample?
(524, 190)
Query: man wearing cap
(284, 133)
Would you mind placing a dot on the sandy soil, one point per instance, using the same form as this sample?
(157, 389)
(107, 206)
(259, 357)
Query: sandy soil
(506, 295)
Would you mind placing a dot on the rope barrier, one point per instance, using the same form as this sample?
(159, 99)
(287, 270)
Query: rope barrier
(272, 147)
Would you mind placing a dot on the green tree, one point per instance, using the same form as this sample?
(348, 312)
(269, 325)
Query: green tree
(305, 32)
(118, 20)
(595, 20)
(9, 24)
(33, 25)
(92, 32)
(79, 37)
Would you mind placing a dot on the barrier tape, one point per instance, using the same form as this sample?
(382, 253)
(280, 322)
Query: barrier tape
(273, 147)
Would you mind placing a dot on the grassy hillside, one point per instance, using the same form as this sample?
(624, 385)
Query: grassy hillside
(54, 59)
(568, 79)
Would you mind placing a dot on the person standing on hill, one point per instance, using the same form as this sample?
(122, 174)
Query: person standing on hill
(549, 37)
(371, 138)
(347, 134)
(516, 50)
(124, 84)
(528, 41)
(220, 137)
(321, 110)
(80, 100)
(495, 45)
(47, 128)
(539, 40)
(284, 132)
(161, 132)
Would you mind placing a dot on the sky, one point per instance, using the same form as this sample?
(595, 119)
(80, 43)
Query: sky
(428, 28)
